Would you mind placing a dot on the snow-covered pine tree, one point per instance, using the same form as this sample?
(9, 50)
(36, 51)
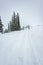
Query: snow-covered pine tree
(9, 26)
(1, 25)
(13, 22)
(18, 22)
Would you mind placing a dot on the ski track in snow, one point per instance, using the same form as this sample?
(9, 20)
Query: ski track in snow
(22, 48)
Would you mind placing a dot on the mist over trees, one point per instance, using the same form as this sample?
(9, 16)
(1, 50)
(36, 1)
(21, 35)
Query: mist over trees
(13, 25)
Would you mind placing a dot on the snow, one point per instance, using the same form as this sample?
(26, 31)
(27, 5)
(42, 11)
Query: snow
(23, 47)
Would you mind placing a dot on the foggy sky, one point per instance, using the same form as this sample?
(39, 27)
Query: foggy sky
(30, 11)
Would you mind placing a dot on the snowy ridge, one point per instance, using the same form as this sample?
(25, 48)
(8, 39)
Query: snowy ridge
(22, 48)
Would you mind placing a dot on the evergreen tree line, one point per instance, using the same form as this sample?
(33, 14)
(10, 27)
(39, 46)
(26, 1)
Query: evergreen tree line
(14, 24)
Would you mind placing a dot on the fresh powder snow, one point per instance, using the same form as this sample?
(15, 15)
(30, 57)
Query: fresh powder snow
(23, 47)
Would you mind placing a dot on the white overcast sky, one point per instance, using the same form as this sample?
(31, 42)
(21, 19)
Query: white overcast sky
(30, 11)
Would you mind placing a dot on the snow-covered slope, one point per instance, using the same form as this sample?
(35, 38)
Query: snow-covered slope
(23, 47)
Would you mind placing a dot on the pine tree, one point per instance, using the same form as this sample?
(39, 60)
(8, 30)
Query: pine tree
(1, 25)
(18, 21)
(9, 26)
(13, 22)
